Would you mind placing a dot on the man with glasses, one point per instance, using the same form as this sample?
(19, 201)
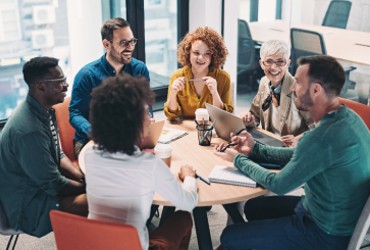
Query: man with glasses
(35, 175)
(273, 107)
(119, 43)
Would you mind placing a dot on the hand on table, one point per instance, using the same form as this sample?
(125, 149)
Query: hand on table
(249, 120)
(290, 140)
(186, 170)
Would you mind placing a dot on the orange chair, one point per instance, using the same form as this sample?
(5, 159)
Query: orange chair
(361, 109)
(77, 232)
(66, 131)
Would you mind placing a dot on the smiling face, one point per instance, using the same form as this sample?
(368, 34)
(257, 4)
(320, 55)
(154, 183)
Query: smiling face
(55, 86)
(200, 56)
(275, 67)
(117, 53)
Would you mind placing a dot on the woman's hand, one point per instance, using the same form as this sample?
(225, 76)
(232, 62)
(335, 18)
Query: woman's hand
(186, 170)
(178, 85)
(249, 120)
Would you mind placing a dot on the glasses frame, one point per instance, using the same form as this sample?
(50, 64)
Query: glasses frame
(277, 63)
(126, 43)
(62, 80)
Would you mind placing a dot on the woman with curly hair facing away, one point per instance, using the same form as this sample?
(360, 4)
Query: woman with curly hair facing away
(201, 79)
(121, 179)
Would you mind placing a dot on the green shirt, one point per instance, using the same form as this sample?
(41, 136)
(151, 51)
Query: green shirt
(333, 162)
(29, 169)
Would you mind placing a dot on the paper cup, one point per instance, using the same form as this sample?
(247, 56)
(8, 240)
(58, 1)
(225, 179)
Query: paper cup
(201, 115)
(163, 151)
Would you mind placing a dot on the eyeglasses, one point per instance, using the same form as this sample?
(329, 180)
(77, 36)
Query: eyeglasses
(57, 80)
(279, 63)
(125, 43)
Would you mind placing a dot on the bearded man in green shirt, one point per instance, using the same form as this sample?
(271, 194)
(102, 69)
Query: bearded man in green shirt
(332, 161)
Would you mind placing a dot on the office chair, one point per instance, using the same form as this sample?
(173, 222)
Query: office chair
(248, 69)
(309, 43)
(361, 229)
(66, 131)
(337, 14)
(77, 232)
(361, 109)
(6, 230)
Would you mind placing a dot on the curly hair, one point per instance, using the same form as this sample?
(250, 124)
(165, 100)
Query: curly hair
(210, 37)
(117, 111)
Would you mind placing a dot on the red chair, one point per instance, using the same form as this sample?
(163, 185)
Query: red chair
(361, 109)
(77, 232)
(66, 131)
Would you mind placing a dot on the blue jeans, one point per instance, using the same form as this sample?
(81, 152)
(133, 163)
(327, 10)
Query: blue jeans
(296, 231)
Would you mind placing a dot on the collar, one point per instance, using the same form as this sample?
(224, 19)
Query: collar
(38, 108)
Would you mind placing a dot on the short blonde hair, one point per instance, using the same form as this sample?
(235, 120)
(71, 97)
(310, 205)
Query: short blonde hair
(210, 37)
(273, 47)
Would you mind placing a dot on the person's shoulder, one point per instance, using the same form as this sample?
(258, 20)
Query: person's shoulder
(180, 72)
(137, 63)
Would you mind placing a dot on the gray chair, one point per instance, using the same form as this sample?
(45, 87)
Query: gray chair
(361, 229)
(309, 43)
(248, 69)
(6, 230)
(337, 14)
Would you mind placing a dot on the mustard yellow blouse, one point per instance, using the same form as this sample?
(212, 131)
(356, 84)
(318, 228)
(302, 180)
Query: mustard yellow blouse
(187, 99)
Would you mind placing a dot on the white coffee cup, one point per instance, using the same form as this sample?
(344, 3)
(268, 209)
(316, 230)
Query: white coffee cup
(163, 151)
(201, 115)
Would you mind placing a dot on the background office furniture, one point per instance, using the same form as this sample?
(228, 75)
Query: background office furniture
(337, 14)
(77, 232)
(308, 43)
(361, 229)
(66, 131)
(248, 69)
(6, 230)
(361, 109)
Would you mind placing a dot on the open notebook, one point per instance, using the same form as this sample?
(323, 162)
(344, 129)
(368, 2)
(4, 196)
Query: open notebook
(230, 175)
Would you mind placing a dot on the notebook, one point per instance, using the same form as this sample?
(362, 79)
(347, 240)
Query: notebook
(227, 122)
(230, 175)
(151, 139)
(170, 134)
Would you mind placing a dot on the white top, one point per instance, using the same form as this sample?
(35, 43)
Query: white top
(120, 188)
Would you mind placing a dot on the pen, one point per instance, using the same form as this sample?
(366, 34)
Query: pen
(195, 80)
(230, 144)
(206, 133)
(202, 179)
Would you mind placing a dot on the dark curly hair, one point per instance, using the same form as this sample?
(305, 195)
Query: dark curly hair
(117, 111)
(210, 37)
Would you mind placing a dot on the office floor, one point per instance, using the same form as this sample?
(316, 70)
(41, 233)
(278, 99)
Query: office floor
(217, 216)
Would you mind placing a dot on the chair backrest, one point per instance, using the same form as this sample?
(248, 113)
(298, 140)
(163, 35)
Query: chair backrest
(77, 232)
(246, 49)
(305, 43)
(361, 109)
(66, 131)
(337, 14)
(361, 228)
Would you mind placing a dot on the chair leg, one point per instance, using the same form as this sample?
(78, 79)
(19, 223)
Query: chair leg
(15, 237)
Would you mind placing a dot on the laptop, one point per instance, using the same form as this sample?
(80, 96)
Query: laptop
(151, 139)
(227, 122)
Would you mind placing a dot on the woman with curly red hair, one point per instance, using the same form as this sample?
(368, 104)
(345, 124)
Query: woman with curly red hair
(201, 79)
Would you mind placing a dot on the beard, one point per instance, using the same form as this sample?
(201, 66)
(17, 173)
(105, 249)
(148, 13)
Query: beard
(118, 57)
(305, 102)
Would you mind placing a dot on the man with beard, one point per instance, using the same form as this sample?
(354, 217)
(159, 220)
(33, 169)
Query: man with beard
(332, 161)
(119, 42)
(35, 175)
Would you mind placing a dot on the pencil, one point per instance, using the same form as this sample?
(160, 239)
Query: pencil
(202, 179)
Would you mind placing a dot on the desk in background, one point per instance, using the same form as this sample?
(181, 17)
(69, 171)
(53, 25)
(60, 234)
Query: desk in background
(345, 45)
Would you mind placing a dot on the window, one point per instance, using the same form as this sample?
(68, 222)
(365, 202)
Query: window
(28, 28)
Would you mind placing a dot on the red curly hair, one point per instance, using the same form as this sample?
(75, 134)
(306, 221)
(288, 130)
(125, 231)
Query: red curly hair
(210, 37)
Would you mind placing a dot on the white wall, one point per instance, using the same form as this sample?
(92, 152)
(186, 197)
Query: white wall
(84, 23)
